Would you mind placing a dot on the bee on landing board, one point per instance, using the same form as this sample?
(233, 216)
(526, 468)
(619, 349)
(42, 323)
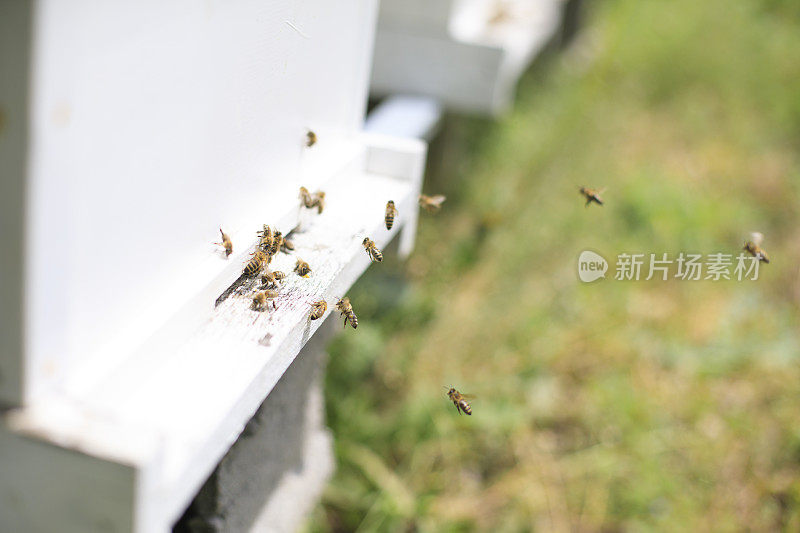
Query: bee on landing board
(270, 278)
(311, 139)
(277, 241)
(318, 201)
(318, 309)
(372, 250)
(261, 299)
(287, 246)
(254, 266)
(226, 243)
(265, 236)
(431, 204)
(592, 195)
(753, 247)
(302, 268)
(309, 200)
(391, 212)
(459, 400)
(343, 305)
(305, 198)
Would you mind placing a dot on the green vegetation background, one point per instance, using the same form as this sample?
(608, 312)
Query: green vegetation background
(670, 406)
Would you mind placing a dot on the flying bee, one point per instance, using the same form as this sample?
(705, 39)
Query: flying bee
(592, 195)
(372, 250)
(302, 268)
(261, 299)
(305, 198)
(287, 246)
(311, 138)
(431, 204)
(460, 401)
(391, 212)
(318, 309)
(256, 263)
(343, 305)
(318, 201)
(226, 243)
(753, 247)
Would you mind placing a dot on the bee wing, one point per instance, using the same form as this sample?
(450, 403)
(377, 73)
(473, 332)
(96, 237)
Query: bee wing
(757, 238)
(468, 396)
(438, 199)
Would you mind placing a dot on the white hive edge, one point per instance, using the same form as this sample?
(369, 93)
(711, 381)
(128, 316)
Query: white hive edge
(156, 424)
(469, 55)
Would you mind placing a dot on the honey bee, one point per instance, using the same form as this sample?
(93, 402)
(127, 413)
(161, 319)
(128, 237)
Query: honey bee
(318, 309)
(753, 247)
(311, 138)
(266, 237)
(305, 198)
(460, 401)
(270, 278)
(431, 203)
(261, 299)
(226, 243)
(256, 263)
(592, 195)
(319, 201)
(277, 240)
(343, 305)
(391, 212)
(302, 268)
(372, 250)
(287, 246)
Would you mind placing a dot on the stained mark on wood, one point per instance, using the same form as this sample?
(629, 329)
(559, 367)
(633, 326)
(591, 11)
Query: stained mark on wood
(227, 292)
(265, 340)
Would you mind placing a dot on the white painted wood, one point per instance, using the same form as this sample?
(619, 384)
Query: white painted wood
(415, 117)
(152, 125)
(468, 54)
(172, 413)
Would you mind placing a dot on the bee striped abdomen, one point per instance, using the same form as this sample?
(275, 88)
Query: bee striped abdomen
(458, 400)
(344, 306)
(318, 309)
(253, 267)
(302, 268)
(277, 240)
(372, 250)
(391, 211)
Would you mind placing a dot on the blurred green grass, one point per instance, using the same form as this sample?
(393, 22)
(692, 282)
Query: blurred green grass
(607, 406)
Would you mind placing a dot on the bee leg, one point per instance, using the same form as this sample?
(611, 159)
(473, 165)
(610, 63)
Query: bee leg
(457, 408)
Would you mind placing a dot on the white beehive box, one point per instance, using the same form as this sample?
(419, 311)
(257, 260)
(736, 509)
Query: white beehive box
(468, 54)
(133, 132)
